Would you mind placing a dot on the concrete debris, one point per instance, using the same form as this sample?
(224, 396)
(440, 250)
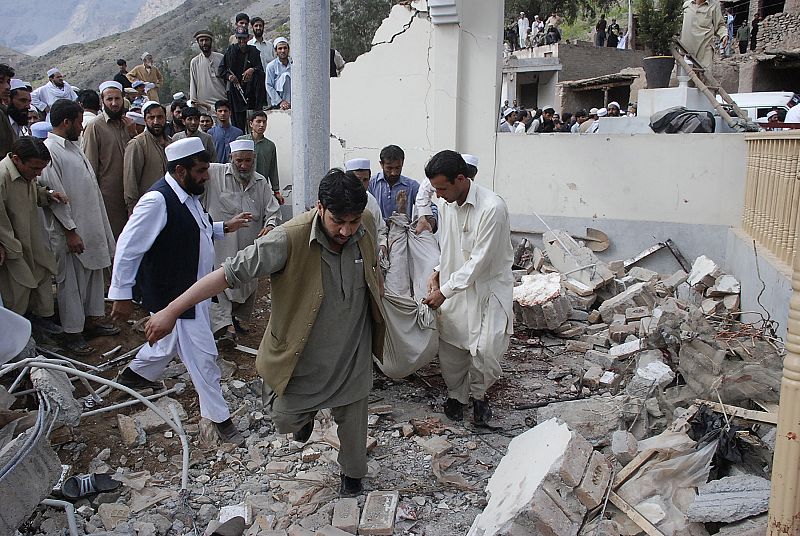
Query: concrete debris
(637, 295)
(729, 499)
(57, 387)
(704, 271)
(755, 526)
(595, 419)
(131, 431)
(113, 514)
(150, 421)
(569, 257)
(379, 513)
(346, 515)
(624, 446)
(540, 302)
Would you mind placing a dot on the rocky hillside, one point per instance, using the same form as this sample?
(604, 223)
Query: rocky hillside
(9, 56)
(168, 37)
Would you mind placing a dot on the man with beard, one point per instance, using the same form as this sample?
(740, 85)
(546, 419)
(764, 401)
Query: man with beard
(266, 153)
(80, 235)
(6, 133)
(166, 247)
(18, 108)
(613, 109)
(205, 87)
(57, 88)
(191, 119)
(145, 159)
(265, 47)
(176, 111)
(236, 187)
(149, 74)
(279, 76)
(241, 67)
(104, 141)
(122, 75)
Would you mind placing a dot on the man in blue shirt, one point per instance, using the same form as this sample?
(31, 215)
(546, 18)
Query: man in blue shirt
(394, 191)
(224, 133)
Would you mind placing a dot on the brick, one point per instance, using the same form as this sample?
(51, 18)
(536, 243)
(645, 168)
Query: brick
(624, 446)
(635, 313)
(594, 317)
(577, 346)
(575, 458)
(617, 319)
(591, 378)
(378, 515)
(619, 332)
(610, 380)
(592, 488)
(625, 349)
(346, 514)
(643, 274)
(675, 279)
(435, 445)
(595, 328)
(639, 294)
(582, 303)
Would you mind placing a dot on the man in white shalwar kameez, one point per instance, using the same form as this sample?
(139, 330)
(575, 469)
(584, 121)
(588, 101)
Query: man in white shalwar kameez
(80, 235)
(424, 198)
(234, 188)
(473, 285)
(166, 246)
(43, 97)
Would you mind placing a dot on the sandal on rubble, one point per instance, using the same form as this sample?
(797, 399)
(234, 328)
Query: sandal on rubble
(79, 486)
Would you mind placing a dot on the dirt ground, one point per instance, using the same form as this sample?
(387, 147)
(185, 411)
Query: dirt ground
(396, 463)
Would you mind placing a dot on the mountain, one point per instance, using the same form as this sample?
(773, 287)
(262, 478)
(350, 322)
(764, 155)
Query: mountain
(168, 37)
(9, 56)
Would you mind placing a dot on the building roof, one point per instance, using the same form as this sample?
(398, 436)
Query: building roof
(599, 82)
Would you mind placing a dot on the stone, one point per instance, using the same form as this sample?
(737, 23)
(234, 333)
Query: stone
(624, 446)
(674, 280)
(704, 270)
(591, 378)
(578, 288)
(525, 491)
(643, 274)
(548, 315)
(601, 359)
(567, 256)
(625, 349)
(593, 418)
(731, 302)
(709, 306)
(113, 514)
(619, 332)
(610, 380)
(594, 484)
(617, 320)
(577, 346)
(297, 530)
(639, 294)
(724, 285)
(346, 515)
(150, 421)
(755, 526)
(276, 467)
(435, 445)
(243, 510)
(378, 515)
(333, 531)
(130, 431)
(581, 303)
(729, 499)
(594, 317)
(309, 455)
(636, 313)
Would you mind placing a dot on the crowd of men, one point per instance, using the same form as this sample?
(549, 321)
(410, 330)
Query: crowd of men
(517, 120)
(112, 194)
(524, 33)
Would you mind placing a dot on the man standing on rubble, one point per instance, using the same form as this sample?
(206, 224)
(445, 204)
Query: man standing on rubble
(165, 247)
(326, 319)
(473, 286)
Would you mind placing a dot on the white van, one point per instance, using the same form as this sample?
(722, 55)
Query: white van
(758, 104)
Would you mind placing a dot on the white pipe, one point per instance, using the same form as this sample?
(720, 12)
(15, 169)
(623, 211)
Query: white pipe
(127, 403)
(185, 471)
(73, 526)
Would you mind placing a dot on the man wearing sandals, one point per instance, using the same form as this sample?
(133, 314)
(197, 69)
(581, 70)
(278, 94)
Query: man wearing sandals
(80, 235)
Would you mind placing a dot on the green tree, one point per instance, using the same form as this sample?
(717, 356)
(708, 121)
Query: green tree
(570, 10)
(353, 25)
(658, 25)
(221, 29)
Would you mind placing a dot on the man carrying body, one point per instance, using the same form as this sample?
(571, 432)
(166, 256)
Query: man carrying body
(279, 76)
(266, 153)
(80, 235)
(326, 319)
(702, 21)
(149, 74)
(104, 141)
(424, 201)
(18, 109)
(26, 263)
(165, 247)
(233, 188)
(205, 87)
(191, 119)
(57, 88)
(360, 167)
(224, 133)
(241, 67)
(473, 287)
(389, 182)
(122, 75)
(145, 159)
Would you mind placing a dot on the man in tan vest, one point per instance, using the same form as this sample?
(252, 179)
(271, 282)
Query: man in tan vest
(326, 319)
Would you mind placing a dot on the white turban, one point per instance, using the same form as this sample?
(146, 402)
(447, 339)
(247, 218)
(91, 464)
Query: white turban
(53, 71)
(110, 84)
(183, 148)
(356, 164)
(242, 145)
(280, 40)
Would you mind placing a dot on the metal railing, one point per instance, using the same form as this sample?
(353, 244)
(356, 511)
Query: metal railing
(772, 191)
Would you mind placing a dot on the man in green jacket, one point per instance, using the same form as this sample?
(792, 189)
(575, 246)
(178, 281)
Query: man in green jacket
(326, 320)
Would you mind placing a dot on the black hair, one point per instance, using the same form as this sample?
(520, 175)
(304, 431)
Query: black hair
(582, 113)
(6, 70)
(190, 111)
(177, 103)
(257, 113)
(549, 110)
(448, 163)
(222, 102)
(89, 99)
(121, 62)
(566, 117)
(28, 147)
(471, 171)
(255, 20)
(391, 153)
(189, 162)
(64, 109)
(204, 114)
(242, 16)
(342, 193)
(154, 106)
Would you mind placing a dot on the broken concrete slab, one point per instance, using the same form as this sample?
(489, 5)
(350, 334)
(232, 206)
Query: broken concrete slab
(594, 418)
(435, 445)
(601, 359)
(724, 285)
(672, 282)
(643, 274)
(624, 446)
(591, 377)
(113, 514)
(755, 526)
(57, 387)
(540, 303)
(346, 514)
(625, 349)
(379, 512)
(637, 295)
(730, 499)
(567, 256)
(150, 421)
(704, 271)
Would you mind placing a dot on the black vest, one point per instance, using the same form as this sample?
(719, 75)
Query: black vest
(170, 265)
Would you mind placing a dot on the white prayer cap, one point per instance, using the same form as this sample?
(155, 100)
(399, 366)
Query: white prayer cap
(470, 159)
(602, 112)
(508, 111)
(178, 96)
(147, 105)
(32, 108)
(280, 40)
(769, 114)
(593, 111)
(148, 86)
(16, 83)
(144, 55)
(110, 84)
(242, 145)
(355, 164)
(183, 148)
(137, 83)
(40, 129)
(51, 72)
(613, 103)
(136, 117)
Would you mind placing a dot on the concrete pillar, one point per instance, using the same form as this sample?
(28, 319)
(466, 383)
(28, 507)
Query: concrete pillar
(447, 64)
(310, 27)
(784, 503)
